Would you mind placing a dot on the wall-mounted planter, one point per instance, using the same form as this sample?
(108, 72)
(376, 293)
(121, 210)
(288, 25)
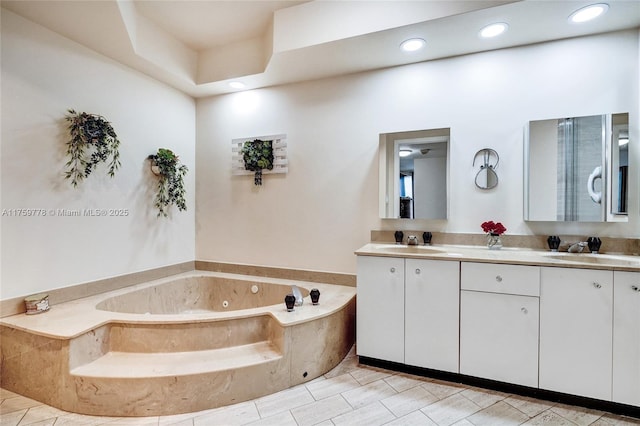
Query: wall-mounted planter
(170, 189)
(93, 141)
(248, 159)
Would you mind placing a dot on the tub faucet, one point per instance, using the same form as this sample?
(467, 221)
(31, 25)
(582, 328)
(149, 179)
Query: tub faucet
(577, 247)
(297, 294)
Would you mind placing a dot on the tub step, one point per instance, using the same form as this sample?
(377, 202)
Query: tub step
(165, 364)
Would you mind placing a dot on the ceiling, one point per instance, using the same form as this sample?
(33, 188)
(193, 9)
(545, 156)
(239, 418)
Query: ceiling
(200, 46)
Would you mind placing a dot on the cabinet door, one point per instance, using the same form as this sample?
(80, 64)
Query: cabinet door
(576, 322)
(626, 338)
(432, 294)
(499, 337)
(380, 308)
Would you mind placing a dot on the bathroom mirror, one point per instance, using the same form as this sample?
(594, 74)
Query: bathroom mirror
(414, 167)
(619, 155)
(568, 169)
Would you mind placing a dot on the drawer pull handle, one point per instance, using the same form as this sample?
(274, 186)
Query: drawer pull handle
(418, 271)
(597, 285)
(524, 310)
(498, 278)
(392, 270)
(635, 288)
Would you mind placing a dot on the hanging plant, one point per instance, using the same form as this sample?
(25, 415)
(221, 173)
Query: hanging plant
(93, 141)
(171, 173)
(257, 155)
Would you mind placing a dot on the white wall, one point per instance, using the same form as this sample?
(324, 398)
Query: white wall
(44, 74)
(324, 208)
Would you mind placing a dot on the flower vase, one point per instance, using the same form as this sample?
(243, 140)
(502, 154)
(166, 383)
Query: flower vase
(493, 241)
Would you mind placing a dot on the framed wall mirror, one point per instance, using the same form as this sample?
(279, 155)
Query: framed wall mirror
(414, 167)
(575, 169)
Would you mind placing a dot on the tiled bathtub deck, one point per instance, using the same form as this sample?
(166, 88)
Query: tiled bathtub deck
(350, 394)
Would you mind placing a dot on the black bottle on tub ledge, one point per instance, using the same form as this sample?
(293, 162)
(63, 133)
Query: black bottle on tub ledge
(554, 242)
(315, 296)
(289, 301)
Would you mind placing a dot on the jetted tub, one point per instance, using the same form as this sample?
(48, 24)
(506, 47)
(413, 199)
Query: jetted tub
(186, 343)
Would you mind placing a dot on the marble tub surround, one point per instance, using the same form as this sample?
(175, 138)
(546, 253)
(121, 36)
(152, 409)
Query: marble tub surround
(15, 305)
(628, 246)
(515, 256)
(114, 362)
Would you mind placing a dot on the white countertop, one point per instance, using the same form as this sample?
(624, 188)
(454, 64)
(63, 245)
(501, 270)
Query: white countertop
(516, 256)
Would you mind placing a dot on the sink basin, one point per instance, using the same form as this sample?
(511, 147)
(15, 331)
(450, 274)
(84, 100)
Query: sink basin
(596, 259)
(404, 249)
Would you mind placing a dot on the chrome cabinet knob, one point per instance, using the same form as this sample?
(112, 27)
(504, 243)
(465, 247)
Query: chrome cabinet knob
(417, 271)
(498, 278)
(597, 285)
(392, 270)
(524, 310)
(635, 288)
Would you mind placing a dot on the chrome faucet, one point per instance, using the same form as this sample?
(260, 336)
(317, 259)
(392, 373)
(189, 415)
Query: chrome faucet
(412, 240)
(297, 294)
(577, 247)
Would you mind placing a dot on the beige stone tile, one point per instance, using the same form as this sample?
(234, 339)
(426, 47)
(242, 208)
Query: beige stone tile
(451, 409)
(48, 422)
(284, 418)
(443, 389)
(463, 422)
(548, 418)
(12, 418)
(347, 365)
(364, 395)
(370, 415)
(4, 394)
(236, 414)
(402, 382)
(74, 419)
(530, 406)
(131, 421)
(578, 415)
(614, 420)
(283, 401)
(333, 386)
(41, 413)
(17, 403)
(410, 400)
(320, 411)
(417, 418)
(367, 374)
(187, 421)
(483, 397)
(499, 414)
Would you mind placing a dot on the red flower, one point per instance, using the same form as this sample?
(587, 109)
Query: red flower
(493, 228)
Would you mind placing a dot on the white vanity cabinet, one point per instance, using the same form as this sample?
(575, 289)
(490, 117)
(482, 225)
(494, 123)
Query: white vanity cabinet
(499, 317)
(408, 311)
(626, 337)
(380, 308)
(576, 317)
(432, 314)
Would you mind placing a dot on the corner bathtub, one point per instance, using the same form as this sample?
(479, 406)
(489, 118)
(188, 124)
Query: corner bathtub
(185, 343)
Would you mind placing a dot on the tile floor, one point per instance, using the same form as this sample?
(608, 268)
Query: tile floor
(350, 394)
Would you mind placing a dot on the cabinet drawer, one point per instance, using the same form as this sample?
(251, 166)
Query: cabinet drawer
(497, 278)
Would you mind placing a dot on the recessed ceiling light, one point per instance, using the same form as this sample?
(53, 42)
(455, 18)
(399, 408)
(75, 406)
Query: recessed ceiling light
(493, 30)
(588, 13)
(237, 85)
(412, 44)
(405, 152)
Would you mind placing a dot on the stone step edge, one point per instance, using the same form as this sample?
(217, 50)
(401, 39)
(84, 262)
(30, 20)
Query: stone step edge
(133, 365)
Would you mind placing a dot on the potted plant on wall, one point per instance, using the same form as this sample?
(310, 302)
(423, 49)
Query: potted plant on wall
(93, 141)
(170, 189)
(257, 155)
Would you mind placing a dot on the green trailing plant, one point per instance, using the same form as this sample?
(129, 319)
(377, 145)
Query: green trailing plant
(257, 155)
(170, 189)
(93, 141)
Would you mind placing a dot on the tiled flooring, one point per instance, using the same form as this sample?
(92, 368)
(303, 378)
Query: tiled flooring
(350, 394)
